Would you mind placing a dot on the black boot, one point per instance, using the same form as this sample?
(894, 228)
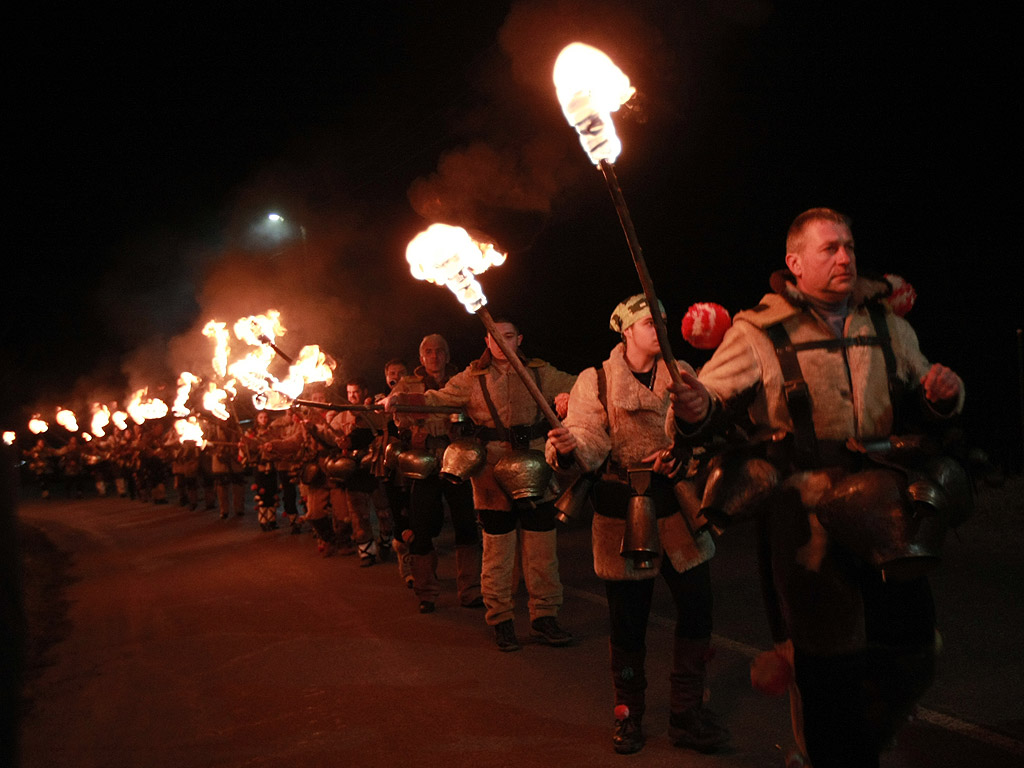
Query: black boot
(630, 683)
(690, 724)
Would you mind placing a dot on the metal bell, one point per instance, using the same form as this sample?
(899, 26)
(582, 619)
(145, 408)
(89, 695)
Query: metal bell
(462, 459)
(523, 475)
(571, 502)
(640, 539)
(340, 468)
(417, 464)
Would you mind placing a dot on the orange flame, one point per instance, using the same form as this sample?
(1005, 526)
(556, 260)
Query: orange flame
(100, 419)
(142, 407)
(250, 329)
(219, 333)
(312, 365)
(190, 429)
(590, 87)
(120, 419)
(214, 397)
(9, 437)
(185, 382)
(67, 419)
(447, 255)
(37, 426)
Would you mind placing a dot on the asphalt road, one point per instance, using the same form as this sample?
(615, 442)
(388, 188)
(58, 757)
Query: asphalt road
(182, 640)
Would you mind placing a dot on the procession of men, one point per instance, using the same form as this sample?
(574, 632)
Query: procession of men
(818, 391)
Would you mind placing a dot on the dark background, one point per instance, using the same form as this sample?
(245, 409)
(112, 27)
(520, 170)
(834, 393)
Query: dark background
(150, 146)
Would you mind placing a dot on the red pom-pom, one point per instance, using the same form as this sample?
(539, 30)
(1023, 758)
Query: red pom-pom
(254, 486)
(902, 297)
(621, 712)
(705, 324)
(408, 536)
(770, 673)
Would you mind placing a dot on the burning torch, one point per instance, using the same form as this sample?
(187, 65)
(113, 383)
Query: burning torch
(446, 255)
(590, 87)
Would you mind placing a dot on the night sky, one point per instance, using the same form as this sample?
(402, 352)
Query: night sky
(150, 148)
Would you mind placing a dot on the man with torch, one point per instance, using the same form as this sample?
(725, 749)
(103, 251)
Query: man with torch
(616, 426)
(826, 365)
(510, 400)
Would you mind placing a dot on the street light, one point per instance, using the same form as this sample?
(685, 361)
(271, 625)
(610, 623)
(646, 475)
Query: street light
(277, 220)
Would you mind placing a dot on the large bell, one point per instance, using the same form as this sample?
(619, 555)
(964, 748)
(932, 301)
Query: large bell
(523, 475)
(417, 463)
(640, 539)
(391, 454)
(874, 515)
(736, 487)
(573, 499)
(340, 468)
(462, 459)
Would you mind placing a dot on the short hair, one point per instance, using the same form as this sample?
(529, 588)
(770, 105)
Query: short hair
(436, 337)
(795, 235)
(507, 319)
(395, 361)
(357, 381)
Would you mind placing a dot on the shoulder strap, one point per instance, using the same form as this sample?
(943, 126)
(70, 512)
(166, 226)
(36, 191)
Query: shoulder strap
(602, 387)
(502, 430)
(877, 315)
(798, 396)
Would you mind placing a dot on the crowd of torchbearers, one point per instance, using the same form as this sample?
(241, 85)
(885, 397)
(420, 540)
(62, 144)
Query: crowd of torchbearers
(817, 417)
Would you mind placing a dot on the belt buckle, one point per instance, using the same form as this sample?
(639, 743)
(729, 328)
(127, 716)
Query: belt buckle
(519, 436)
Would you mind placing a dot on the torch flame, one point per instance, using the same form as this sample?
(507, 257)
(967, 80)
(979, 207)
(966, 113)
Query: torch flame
(37, 426)
(190, 429)
(120, 419)
(256, 328)
(100, 419)
(312, 365)
(67, 419)
(219, 333)
(185, 382)
(447, 255)
(590, 87)
(143, 407)
(213, 399)
(9, 437)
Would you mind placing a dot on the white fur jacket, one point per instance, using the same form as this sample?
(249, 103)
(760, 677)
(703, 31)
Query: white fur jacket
(632, 427)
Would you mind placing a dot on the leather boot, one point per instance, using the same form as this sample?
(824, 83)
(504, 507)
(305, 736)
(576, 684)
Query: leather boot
(467, 574)
(404, 561)
(325, 535)
(630, 682)
(690, 724)
(425, 583)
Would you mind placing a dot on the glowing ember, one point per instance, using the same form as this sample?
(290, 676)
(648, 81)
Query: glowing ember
(120, 419)
(100, 419)
(185, 382)
(219, 333)
(9, 438)
(142, 407)
(67, 419)
(189, 429)
(37, 426)
(590, 87)
(447, 255)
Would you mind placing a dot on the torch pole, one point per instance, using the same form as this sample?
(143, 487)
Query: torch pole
(266, 340)
(517, 365)
(299, 403)
(608, 169)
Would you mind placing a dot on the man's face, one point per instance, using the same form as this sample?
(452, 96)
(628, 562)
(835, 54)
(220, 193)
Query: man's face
(433, 357)
(509, 334)
(825, 267)
(393, 373)
(356, 394)
(642, 337)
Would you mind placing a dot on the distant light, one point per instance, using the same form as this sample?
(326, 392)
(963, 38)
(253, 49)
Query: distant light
(275, 217)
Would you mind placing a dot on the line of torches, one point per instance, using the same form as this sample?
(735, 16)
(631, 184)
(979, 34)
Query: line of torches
(217, 393)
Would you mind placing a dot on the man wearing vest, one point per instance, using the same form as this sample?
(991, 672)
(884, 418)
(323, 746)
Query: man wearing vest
(824, 362)
(508, 419)
(616, 427)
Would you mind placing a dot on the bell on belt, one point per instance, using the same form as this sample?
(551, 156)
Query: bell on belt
(523, 475)
(570, 504)
(462, 459)
(640, 539)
